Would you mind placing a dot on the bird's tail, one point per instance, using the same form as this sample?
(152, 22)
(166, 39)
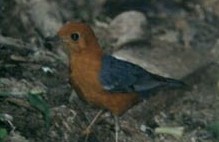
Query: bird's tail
(172, 83)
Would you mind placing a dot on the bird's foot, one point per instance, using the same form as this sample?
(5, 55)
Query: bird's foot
(87, 131)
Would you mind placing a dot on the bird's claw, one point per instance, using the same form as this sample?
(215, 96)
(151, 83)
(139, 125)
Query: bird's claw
(86, 132)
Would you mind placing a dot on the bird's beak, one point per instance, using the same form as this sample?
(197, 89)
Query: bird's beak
(54, 43)
(52, 39)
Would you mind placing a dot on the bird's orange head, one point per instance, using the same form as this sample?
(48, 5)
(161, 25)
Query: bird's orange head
(78, 37)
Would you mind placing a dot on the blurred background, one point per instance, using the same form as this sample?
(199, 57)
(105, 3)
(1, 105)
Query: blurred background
(172, 38)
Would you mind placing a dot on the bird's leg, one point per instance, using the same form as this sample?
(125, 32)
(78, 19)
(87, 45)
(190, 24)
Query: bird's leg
(88, 129)
(117, 127)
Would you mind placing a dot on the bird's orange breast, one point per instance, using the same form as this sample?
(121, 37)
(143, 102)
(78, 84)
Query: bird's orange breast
(85, 69)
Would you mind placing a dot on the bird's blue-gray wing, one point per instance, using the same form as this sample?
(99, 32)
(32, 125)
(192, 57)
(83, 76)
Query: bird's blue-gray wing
(121, 76)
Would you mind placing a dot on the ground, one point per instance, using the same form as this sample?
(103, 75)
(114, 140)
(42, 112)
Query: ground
(174, 38)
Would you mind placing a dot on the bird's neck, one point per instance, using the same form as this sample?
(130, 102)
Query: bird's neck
(84, 64)
(90, 56)
(92, 53)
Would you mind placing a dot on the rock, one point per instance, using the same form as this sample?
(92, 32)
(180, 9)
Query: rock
(215, 51)
(169, 36)
(127, 27)
(45, 15)
(165, 58)
(16, 137)
(210, 5)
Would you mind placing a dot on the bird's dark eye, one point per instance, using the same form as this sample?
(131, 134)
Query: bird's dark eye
(75, 36)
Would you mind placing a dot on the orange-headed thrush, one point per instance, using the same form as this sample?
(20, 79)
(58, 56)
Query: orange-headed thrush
(103, 80)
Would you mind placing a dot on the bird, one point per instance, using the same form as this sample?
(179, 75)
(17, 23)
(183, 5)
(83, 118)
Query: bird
(103, 80)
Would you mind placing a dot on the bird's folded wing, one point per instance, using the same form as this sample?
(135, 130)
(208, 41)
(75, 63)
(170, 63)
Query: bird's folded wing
(121, 76)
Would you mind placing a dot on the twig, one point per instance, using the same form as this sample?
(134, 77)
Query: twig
(14, 42)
